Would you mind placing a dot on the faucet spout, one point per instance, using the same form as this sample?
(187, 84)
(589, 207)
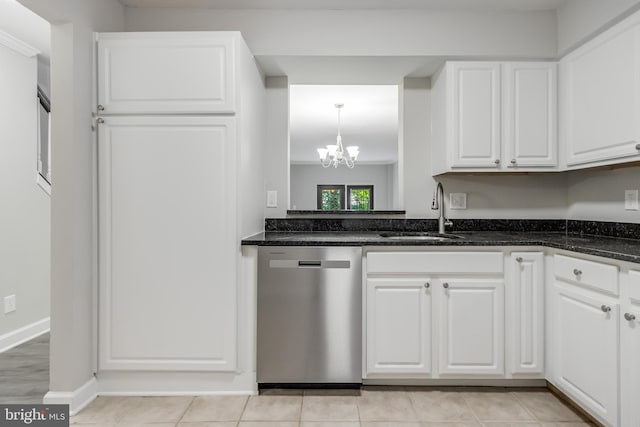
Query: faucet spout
(438, 204)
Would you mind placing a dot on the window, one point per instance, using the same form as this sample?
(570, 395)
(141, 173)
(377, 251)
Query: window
(360, 197)
(332, 197)
(44, 143)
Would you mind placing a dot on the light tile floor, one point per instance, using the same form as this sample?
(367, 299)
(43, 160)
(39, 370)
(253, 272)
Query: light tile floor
(25, 379)
(402, 407)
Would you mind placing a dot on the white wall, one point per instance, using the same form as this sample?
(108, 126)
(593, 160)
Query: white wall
(73, 245)
(305, 178)
(578, 20)
(25, 214)
(367, 32)
(599, 194)
(276, 153)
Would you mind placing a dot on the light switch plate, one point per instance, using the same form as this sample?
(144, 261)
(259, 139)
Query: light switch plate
(272, 199)
(9, 304)
(631, 200)
(457, 200)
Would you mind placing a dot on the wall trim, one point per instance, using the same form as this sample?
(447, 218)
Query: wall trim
(24, 334)
(77, 399)
(17, 45)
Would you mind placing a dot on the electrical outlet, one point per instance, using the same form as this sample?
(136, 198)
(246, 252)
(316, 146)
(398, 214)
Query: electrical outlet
(631, 200)
(457, 200)
(272, 199)
(9, 304)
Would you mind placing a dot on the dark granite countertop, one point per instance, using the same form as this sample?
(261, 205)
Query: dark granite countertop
(609, 247)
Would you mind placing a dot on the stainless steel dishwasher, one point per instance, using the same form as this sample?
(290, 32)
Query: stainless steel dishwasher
(309, 315)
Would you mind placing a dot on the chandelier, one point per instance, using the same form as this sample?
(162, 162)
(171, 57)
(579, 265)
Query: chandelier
(335, 154)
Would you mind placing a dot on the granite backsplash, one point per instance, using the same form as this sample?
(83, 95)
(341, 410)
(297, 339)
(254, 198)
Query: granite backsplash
(336, 224)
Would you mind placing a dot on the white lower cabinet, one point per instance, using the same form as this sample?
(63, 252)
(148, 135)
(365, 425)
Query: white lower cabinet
(167, 258)
(585, 339)
(434, 314)
(471, 326)
(525, 309)
(630, 350)
(399, 326)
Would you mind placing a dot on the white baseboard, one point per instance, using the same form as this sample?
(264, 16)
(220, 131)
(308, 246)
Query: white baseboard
(24, 334)
(77, 399)
(136, 383)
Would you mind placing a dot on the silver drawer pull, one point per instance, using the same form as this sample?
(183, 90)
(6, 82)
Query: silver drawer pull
(519, 259)
(100, 107)
(605, 308)
(637, 146)
(497, 161)
(513, 161)
(445, 285)
(630, 317)
(427, 285)
(577, 272)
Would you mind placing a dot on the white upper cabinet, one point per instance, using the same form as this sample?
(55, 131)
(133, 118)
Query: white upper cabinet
(601, 90)
(530, 114)
(494, 116)
(475, 114)
(166, 73)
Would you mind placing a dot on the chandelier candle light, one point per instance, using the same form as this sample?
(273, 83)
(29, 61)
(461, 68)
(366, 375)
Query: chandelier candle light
(334, 155)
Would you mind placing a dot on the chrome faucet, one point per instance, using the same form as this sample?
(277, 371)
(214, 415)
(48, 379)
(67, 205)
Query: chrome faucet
(438, 203)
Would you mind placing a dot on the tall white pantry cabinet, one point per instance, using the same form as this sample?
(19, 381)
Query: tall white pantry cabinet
(179, 184)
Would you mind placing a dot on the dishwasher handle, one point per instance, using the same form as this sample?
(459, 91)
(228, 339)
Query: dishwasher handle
(312, 264)
(296, 263)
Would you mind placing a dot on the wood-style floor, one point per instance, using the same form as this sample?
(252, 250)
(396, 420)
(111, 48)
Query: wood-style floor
(24, 372)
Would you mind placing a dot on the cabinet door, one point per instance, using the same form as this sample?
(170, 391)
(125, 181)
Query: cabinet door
(471, 327)
(167, 286)
(398, 326)
(474, 114)
(169, 72)
(526, 310)
(601, 81)
(630, 352)
(586, 350)
(530, 114)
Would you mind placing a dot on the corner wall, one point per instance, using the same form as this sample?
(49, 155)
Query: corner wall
(73, 205)
(26, 209)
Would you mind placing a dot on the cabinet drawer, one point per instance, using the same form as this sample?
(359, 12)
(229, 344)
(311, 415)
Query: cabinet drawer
(435, 262)
(588, 273)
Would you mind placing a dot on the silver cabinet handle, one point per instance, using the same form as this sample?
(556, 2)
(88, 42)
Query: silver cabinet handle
(630, 317)
(638, 147)
(445, 285)
(513, 161)
(519, 259)
(100, 120)
(605, 308)
(100, 108)
(577, 272)
(497, 161)
(427, 285)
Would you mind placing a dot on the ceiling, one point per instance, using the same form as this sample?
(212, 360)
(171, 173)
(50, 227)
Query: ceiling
(369, 119)
(525, 5)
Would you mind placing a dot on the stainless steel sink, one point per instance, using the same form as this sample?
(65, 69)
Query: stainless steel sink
(419, 236)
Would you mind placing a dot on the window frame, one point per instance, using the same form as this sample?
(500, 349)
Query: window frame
(319, 190)
(360, 187)
(43, 177)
